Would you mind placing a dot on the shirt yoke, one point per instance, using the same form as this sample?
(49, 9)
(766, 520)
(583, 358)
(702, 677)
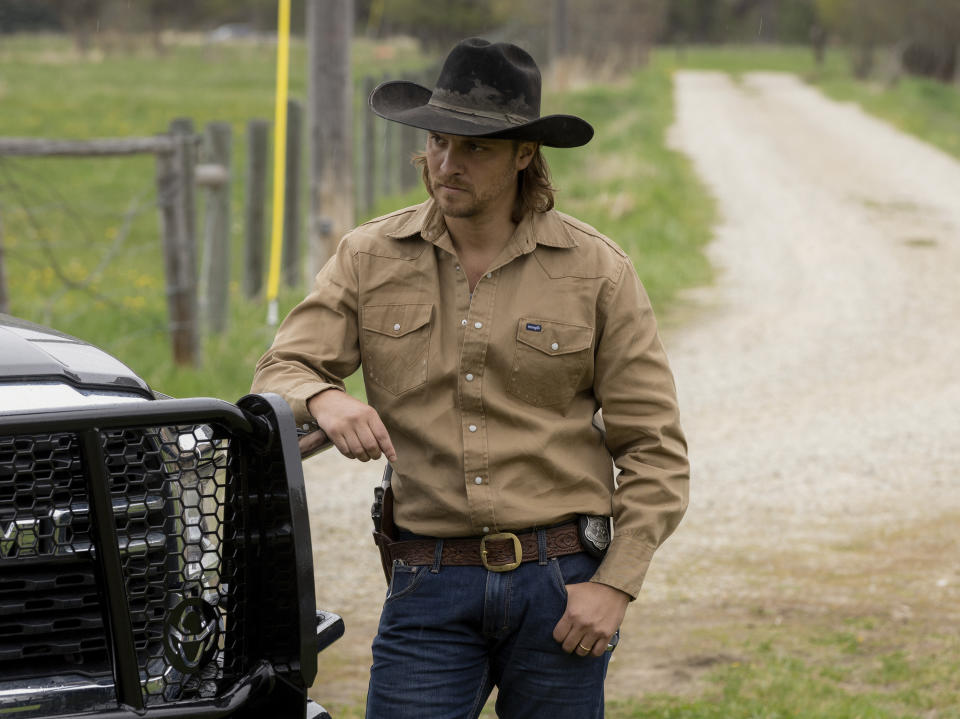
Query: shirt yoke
(374, 236)
(595, 255)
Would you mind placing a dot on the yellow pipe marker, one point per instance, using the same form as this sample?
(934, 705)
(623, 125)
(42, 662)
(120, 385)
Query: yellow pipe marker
(279, 158)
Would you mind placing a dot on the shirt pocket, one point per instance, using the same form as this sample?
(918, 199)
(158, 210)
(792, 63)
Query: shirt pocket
(548, 361)
(395, 345)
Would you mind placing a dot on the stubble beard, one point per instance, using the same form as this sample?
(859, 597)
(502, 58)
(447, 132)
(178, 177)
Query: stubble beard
(475, 203)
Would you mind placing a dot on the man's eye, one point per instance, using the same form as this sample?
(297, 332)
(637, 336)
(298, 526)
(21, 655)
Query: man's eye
(477, 148)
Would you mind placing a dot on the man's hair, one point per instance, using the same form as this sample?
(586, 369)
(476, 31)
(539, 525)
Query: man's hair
(534, 190)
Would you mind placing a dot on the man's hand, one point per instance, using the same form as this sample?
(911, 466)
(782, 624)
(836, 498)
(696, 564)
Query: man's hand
(354, 428)
(594, 612)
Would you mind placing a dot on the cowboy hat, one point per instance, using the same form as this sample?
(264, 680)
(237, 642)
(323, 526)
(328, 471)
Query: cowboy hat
(484, 90)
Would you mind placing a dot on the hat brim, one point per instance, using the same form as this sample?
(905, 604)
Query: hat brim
(407, 103)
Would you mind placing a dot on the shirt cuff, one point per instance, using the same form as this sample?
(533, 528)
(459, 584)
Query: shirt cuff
(625, 565)
(297, 399)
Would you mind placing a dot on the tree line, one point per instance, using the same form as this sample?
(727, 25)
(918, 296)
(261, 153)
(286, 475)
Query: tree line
(924, 33)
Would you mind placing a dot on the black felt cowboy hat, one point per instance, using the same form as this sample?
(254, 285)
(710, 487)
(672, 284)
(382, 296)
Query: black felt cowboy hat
(484, 90)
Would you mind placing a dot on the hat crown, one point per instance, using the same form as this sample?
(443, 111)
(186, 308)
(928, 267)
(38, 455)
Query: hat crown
(490, 77)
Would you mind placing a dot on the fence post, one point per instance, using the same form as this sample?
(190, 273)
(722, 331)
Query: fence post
(216, 242)
(388, 153)
(329, 25)
(4, 297)
(176, 203)
(408, 142)
(368, 147)
(292, 194)
(255, 194)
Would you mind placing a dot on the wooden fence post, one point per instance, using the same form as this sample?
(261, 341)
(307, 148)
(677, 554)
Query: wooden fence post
(255, 194)
(388, 152)
(4, 297)
(216, 242)
(292, 194)
(368, 149)
(330, 120)
(177, 214)
(409, 144)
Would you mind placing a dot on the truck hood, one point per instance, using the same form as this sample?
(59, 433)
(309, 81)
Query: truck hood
(30, 352)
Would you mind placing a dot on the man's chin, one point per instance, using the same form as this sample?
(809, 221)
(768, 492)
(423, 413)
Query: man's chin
(453, 209)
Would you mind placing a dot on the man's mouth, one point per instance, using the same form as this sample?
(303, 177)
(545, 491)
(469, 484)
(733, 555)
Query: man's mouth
(453, 188)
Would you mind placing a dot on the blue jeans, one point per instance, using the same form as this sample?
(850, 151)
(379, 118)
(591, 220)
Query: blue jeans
(449, 634)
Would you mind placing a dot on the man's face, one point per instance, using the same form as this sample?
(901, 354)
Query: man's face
(473, 176)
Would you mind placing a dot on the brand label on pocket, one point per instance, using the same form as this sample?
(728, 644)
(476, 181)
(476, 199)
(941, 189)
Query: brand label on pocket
(534, 328)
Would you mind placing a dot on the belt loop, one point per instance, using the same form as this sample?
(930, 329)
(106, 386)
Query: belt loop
(437, 557)
(542, 546)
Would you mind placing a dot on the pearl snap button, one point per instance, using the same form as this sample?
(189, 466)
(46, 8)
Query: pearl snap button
(478, 480)
(486, 530)
(489, 275)
(554, 346)
(472, 428)
(469, 377)
(478, 325)
(458, 268)
(396, 328)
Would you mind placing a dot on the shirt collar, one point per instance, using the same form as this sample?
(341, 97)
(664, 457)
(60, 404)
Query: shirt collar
(543, 228)
(536, 228)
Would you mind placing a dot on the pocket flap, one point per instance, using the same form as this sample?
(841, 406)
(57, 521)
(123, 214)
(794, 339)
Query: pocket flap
(395, 320)
(554, 338)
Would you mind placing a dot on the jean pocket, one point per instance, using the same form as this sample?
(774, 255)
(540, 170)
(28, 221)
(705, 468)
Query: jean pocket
(404, 579)
(395, 344)
(548, 361)
(559, 581)
(574, 569)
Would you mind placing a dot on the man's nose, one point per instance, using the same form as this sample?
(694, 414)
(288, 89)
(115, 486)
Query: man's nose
(450, 161)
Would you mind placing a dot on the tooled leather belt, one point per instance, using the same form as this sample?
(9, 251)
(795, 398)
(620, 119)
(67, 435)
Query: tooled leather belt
(499, 552)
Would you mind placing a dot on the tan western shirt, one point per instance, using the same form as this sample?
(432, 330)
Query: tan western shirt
(489, 399)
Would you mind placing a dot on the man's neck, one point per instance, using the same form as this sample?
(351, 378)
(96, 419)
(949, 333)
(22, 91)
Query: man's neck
(480, 235)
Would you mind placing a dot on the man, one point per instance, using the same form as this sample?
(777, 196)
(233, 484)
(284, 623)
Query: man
(491, 329)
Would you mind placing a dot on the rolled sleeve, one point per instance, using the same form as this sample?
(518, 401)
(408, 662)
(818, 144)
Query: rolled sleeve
(637, 394)
(317, 345)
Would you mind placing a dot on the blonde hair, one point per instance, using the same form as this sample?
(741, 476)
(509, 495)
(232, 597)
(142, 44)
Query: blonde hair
(534, 189)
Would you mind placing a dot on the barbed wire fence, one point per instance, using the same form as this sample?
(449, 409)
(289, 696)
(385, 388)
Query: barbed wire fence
(48, 253)
(172, 199)
(54, 226)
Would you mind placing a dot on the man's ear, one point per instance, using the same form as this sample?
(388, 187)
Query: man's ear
(525, 153)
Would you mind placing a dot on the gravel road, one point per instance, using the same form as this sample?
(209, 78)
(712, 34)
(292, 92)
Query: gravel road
(818, 376)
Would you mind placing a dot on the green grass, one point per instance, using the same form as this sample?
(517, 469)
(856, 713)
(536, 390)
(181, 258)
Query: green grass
(807, 673)
(61, 217)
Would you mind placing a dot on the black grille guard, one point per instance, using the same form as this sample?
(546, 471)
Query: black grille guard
(265, 620)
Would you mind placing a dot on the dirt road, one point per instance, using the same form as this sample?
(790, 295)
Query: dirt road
(819, 387)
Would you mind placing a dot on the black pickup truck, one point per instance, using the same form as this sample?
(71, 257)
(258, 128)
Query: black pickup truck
(155, 556)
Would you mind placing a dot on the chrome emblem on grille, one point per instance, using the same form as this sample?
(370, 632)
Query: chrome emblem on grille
(190, 634)
(21, 538)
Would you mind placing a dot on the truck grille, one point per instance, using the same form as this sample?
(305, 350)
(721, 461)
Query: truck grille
(191, 578)
(50, 617)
